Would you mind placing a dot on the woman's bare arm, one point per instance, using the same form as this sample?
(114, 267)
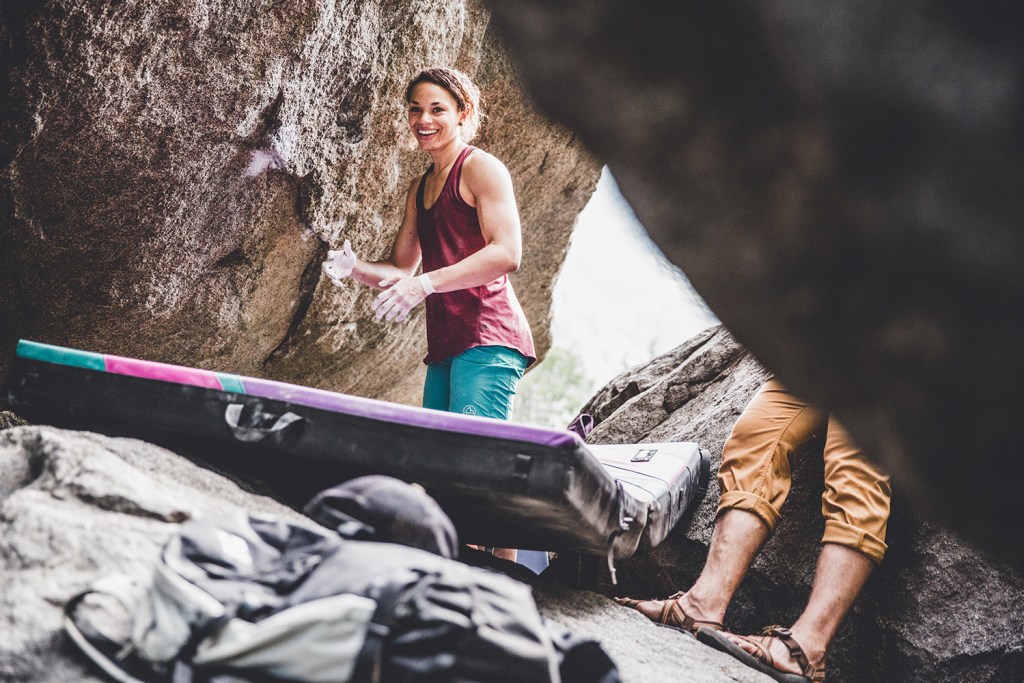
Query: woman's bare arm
(405, 250)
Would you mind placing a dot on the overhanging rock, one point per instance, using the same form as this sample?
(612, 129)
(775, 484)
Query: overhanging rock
(841, 183)
(133, 222)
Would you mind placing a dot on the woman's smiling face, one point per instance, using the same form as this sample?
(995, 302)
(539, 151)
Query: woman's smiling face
(434, 116)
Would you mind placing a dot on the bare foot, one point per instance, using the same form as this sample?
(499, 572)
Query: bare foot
(678, 610)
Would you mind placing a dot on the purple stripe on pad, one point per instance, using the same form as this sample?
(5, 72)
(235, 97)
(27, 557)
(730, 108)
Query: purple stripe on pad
(343, 403)
(408, 415)
(161, 371)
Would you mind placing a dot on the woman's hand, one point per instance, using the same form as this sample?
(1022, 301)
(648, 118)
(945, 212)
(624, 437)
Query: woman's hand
(400, 296)
(339, 263)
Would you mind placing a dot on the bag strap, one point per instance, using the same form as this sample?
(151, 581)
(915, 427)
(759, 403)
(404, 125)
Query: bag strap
(370, 660)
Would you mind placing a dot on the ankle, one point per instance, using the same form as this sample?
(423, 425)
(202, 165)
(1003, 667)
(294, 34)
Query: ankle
(702, 607)
(813, 645)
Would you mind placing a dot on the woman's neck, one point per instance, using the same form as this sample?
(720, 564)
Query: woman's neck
(446, 156)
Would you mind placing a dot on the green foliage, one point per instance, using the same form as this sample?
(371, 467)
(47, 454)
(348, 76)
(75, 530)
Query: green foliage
(552, 393)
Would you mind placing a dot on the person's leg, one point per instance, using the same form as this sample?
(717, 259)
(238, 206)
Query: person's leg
(483, 383)
(840, 575)
(436, 387)
(737, 537)
(857, 496)
(755, 480)
(855, 505)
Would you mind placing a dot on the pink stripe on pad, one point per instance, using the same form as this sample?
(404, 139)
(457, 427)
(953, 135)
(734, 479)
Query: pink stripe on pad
(161, 371)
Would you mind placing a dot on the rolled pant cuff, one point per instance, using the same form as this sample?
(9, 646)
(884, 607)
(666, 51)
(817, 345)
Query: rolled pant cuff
(851, 537)
(744, 500)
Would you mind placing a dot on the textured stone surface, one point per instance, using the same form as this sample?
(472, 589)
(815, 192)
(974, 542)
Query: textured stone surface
(936, 610)
(841, 182)
(128, 227)
(643, 651)
(76, 506)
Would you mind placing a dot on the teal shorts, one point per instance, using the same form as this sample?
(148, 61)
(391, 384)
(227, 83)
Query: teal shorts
(479, 381)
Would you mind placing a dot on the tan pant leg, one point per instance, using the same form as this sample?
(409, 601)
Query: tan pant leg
(855, 503)
(756, 460)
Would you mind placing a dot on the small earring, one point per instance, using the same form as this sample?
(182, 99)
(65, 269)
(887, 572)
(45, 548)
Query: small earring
(460, 123)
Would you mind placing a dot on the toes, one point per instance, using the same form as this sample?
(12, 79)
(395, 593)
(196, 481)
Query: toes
(630, 602)
(649, 608)
(744, 643)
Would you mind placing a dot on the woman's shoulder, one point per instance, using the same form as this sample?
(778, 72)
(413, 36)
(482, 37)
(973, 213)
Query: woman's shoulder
(481, 157)
(414, 184)
(482, 165)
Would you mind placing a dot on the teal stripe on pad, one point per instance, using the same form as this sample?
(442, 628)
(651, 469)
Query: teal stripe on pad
(60, 355)
(232, 383)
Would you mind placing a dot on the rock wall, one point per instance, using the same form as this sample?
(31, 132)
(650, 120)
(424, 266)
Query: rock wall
(841, 183)
(937, 609)
(129, 226)
(77, 506)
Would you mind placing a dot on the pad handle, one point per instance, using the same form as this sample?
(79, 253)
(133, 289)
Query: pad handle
(250, 423)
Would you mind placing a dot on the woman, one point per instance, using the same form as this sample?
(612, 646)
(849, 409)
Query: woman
(461, 221)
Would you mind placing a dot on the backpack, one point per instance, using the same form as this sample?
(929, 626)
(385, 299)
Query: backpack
(255, 598)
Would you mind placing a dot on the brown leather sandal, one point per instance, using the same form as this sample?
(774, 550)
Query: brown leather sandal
(762, 660)
(672, 615)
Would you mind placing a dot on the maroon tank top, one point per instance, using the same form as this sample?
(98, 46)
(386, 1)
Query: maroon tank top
(489, 315)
